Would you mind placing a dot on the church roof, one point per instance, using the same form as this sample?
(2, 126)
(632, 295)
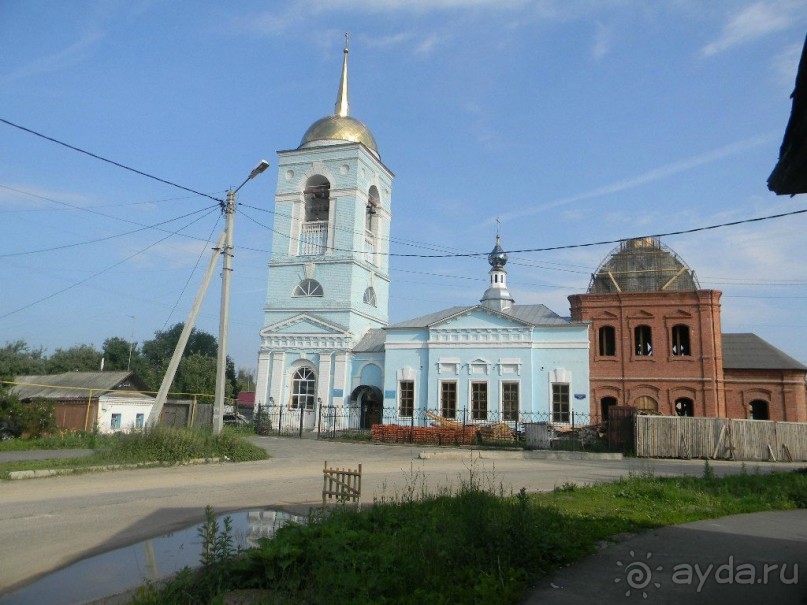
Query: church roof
(748, 351)
(642, 265)
(536, 315)
(371, 342)
(340, 127)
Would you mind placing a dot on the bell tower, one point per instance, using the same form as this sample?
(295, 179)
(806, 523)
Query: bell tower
(329, 266)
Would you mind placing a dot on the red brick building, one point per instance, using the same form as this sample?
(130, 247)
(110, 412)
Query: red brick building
(656, 344)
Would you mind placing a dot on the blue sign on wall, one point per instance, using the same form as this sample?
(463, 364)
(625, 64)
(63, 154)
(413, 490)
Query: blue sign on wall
(389, 394)
(337, 392)
(579, 395)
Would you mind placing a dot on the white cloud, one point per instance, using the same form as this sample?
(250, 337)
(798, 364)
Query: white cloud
(754, 21)
(785, 65)
(33, 197)
(602, 42)
(650, 176)
(67, 57)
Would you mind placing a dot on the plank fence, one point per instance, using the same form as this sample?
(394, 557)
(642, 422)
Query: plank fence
(720, 439)
(342, 485)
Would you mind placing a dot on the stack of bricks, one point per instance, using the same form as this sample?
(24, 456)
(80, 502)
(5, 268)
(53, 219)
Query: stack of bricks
(426, 435)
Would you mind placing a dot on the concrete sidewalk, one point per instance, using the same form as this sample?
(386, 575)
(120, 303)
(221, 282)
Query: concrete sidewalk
(753, 558)
(27, 455)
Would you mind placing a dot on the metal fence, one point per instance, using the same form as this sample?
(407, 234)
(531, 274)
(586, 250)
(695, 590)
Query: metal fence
(572, 430)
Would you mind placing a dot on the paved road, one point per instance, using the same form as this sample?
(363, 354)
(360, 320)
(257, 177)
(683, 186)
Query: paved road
(46, 524)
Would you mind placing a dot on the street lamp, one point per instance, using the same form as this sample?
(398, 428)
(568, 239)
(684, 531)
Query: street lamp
(228, 208)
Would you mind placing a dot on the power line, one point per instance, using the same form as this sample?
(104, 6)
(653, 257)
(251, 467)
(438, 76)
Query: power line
(96, 274)
(108, 161)
(110, 237)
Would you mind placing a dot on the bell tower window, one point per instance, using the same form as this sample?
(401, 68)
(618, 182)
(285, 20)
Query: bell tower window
(314, 231)
(371, 224)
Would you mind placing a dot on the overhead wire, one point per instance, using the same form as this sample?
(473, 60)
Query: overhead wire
(108, 161)
(96, 274)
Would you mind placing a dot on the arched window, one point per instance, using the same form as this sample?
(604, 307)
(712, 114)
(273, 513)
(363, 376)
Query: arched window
(369, 297)
(646, 403)
(371, 224)
(680, 340)
(303, 389)
(607, 341)
(605, 404)
(314, 230)
(308, 287)
(643, 341)
(684, 406)
(759, 410)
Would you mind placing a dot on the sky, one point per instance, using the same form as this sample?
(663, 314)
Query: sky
(572, 121)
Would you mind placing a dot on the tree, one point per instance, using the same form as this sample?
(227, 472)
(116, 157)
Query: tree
(19, 359)
(245, 379)
(116, 353)
(80, 358)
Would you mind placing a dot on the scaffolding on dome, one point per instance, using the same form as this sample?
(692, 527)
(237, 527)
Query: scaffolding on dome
(642, 265)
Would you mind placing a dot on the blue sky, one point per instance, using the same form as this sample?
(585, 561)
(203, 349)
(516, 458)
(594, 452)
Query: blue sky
(572, 121)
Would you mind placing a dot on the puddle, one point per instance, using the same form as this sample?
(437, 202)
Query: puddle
(132, 566)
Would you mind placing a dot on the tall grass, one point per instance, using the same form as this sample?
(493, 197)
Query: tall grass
(476, 545)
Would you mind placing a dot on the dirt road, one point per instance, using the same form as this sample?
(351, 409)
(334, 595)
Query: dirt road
(48, 523)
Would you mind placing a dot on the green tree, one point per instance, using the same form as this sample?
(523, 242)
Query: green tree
(19, 359)
(80, 358)
(116, 353)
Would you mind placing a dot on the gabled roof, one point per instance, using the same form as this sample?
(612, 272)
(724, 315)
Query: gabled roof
(73, 385)
(534, 315)
(749, 352)
(371, 342)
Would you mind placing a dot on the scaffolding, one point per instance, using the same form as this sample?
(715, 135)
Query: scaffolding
(642, 265)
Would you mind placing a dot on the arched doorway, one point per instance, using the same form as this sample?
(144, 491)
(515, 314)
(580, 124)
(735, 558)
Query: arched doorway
(605, 403)
(759, 410)
(370, 400)
(645, 403)
(684, 406)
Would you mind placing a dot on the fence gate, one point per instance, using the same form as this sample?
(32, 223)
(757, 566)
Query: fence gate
(620, 428)
(342, 485)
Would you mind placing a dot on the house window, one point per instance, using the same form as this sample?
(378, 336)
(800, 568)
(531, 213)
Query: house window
(680, 340)
(406, 398)
(605, 405)
(115, 424)
(607, 341)
(448, 399)
(139, 421)
(479, 400)
(560, 402)
(510, 401)
(643, 341)
(684, 406)
(304, 388)
(759, 410)
(646, 403)
(314, 230)
(369, 297)
(308, 287)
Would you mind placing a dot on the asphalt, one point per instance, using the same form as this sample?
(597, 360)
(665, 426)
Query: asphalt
(755, 558)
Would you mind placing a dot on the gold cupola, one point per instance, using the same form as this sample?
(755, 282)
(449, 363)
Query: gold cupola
(339, 127)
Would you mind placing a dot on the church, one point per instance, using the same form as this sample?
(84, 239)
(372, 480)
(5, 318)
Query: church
(328, 353)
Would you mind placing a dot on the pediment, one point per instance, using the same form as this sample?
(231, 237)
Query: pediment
(479, 317)
(680, 313)
(607, 315)
(304, 324)
(641, 314)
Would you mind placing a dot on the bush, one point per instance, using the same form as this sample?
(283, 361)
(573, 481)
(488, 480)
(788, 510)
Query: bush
(32, 419)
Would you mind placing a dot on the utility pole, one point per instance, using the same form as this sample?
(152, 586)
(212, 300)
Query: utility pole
(224, 313)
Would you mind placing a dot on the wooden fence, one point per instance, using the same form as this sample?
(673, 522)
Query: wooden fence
(341, 484)
(720, 438)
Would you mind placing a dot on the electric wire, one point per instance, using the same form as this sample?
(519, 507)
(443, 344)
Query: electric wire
(96, 274)
(108, 161)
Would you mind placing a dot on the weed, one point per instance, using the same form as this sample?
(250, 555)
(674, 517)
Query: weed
(708, 471)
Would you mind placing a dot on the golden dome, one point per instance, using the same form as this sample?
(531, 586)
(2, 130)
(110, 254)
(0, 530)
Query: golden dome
(335, 128)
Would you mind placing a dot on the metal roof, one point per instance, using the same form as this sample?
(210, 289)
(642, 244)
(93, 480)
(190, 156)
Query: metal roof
(371, 342)
(74, 385)
(749, 352)
(535, 315)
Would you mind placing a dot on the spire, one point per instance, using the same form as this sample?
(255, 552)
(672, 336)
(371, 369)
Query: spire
(497, 296)
(342, 107)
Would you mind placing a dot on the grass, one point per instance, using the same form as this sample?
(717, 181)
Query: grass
(159, 445)
(477, 545)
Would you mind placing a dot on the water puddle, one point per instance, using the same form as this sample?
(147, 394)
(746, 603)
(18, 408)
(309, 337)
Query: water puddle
(132, 566)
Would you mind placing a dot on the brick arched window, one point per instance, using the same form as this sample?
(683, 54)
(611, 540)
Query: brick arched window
(643, 340)
(606, 341)
(680, 340)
